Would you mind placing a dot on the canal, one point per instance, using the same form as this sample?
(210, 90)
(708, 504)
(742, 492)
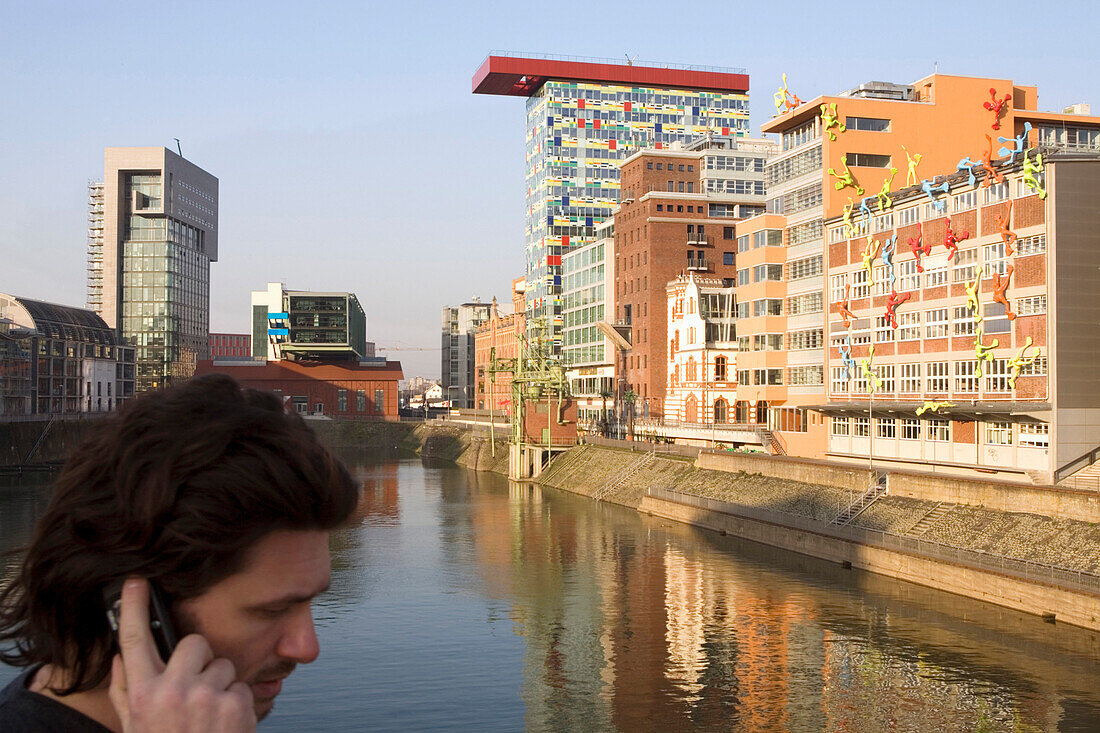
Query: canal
(460, 602)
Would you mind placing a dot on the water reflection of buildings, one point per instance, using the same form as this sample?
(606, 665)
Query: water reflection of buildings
(633, 626)
(378, 501)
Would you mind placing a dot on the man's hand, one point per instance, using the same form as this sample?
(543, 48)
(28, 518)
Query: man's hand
(193, 692)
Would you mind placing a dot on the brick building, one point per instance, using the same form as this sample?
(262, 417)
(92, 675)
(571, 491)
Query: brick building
(498, 336)
(677, 215)
(342, 389)
(237, 345)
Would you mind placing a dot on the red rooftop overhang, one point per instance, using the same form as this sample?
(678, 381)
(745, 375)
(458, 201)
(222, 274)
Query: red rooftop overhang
(522, 77)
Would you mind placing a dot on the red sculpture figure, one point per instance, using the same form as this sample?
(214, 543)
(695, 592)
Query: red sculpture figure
(892, 306)
(997, 108)
(918, 249)
(1007, 235)
(999, 286)
(842, 307)
(951, 240)
(989, 169)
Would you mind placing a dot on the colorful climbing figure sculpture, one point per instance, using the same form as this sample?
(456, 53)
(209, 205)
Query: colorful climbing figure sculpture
(849, 227)
(883, 194)
(1032, 170)
(1018, 362)
(785, 101)
(1007, 235)
(999, 286)
(870, 249)
(845, 178)
(912, 161)
(918, 248)
(889, 249)
(830, 120)
(968, 165)
(996, 107)
(842, 307)
(846, 357)
(892, 304)
(928, 188)
(951, 240)
(982, 352)
(972, 301)
(1019, 143)
(874, 384)
(991, 172)
(934, 407)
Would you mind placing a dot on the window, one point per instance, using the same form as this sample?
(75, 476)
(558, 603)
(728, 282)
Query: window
(649, 165)
(775, 376)
(910, 429)
(727, 258)
(998, 433)
(1031, 305)
(767, 272)
(908, 276)
(884, 332)
(743, 243)
(837, 288)
(743, 277)
(935, 271)
(767, 307)
(938, 378)
(839, 384)
(964, 202)
(727, 232)
(1033, 245)
(939, 430)
(1034, 435)
(994, 256)
(810, 339)
(798, 305)
(996, 376)
(767, 341)
(788, 419)
(965, 381)
(964, 266)
(660, 166)
(670, 187)
(342, 400)
(908, 216)
(860, 286)
(886, 427)
(743, 377)
(910, 378)
(721, 411)
(860, 427)
(806, 267)
(868, 124)
(935, 323)
(800, 135)
(742, 310)
(908, 326)
(806, 375)
(660, 207)
(868, 160)
(996, 193)
(681, 168)
(1037, 368)
(840, 426)
(360, 400)
(882, 222)
(767, 238)
(720, 365)
(805, 232)
(836, 235)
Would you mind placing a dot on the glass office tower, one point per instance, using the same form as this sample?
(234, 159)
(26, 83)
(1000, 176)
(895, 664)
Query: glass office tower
(584, 116)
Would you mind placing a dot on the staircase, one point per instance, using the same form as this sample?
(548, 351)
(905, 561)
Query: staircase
(874, 493)
(619, 479)
(771, 440)
(37, 443)
(1087, 478)
(933, 515)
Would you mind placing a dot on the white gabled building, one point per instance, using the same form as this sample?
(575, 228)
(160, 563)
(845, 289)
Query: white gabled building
(702, 350)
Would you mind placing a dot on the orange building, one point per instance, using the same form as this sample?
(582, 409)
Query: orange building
(498, 336)
(839, 158)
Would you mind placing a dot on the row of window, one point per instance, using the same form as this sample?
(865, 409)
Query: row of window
(937, 377)
(1030, 435)
(661, 166)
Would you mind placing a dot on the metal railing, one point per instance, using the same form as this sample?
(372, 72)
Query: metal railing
(618, 62)
(975, 559)
(697, 263)
(1077, 464)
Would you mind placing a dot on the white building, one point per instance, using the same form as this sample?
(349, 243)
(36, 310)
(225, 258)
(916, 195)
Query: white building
(702, 350)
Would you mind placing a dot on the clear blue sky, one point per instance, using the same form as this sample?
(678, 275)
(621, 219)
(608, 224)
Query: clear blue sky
(351, 153)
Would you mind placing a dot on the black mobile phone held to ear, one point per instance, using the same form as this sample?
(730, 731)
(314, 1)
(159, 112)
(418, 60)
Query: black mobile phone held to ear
(160, 624)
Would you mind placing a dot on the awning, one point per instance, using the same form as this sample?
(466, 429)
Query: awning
(960, 411)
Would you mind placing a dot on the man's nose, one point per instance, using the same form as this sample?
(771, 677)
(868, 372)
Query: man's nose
(299, 641)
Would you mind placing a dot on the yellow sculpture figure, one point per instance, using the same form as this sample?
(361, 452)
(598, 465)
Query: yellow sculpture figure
(1018, 362)
(972, 298)
(1031, 171)
(868, 256)
(883, 194)
(913, 161)
(829, 119)
(983, 353)
(934, 407)
(784, 98)
(849, 227)
(846, 178)
(873, 382)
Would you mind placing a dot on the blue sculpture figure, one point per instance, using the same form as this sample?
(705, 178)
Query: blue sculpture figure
(888, 250)
(1019, 143)
(928, 188)
(846, 356)
(968, 165)
(865, 211)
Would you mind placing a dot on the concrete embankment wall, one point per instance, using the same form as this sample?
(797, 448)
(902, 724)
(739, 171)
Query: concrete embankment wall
(1079, 609)
(18, 440)
(1005, 496)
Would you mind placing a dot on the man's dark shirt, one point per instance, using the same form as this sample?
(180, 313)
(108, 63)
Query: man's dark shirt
(23, 711)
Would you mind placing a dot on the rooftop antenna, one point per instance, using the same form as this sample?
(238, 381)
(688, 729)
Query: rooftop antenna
(629, 60)
(178, 146)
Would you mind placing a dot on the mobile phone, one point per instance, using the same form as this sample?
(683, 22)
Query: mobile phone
(160, 624)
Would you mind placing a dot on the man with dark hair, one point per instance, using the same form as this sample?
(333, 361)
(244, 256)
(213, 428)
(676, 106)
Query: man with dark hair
(220, 500)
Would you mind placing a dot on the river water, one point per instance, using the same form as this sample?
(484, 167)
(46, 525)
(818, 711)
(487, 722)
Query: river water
(460, 602)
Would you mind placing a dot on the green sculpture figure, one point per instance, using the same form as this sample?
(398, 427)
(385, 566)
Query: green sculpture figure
(983, 353)
(873, 382)
(845, 179)
(849, 227)
(933, 407)
(883, 194)
(1018, 362)
(829, 120)
(1032, 169)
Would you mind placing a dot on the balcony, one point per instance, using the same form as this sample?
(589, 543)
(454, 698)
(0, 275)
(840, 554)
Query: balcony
(697, 263)
(698, 240)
